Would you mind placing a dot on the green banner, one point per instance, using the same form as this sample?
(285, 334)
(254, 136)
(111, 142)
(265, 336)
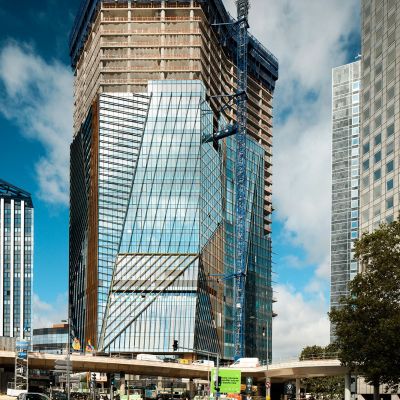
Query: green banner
(229, 380)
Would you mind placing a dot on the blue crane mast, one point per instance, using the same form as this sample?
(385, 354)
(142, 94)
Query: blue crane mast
(241, 177)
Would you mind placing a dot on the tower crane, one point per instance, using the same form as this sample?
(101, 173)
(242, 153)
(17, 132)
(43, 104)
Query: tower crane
(241, 177)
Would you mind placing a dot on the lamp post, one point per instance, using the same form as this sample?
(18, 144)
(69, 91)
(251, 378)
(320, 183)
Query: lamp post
(267, 381)
(68, 383)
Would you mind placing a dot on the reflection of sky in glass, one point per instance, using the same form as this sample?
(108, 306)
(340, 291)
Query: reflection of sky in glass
(163, 214)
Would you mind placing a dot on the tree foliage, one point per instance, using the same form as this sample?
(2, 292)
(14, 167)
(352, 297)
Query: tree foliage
(367, 322)
(331, 387)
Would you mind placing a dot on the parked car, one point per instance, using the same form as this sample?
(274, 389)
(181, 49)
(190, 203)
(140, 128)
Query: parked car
(32, 396)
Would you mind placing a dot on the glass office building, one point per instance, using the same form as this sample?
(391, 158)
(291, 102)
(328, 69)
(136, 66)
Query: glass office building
(346, 86)
(16, 261)
(380, 128)
(50, 340)
(152, 197)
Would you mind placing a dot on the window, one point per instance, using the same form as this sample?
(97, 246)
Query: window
(354, 183)
(389, 219)
(378, 104)
(390, 130)
(389, 148)
(355, 141)
(389, 184)
(377, 174)
(366, 164)
(390, 112)
(365, 198)
(355, 120)
(354, 234)
(354, 152)
(378, 139)
(377, 156)
(366, 148)
(354, 204)
(353, 266)
(354, 214)
(389, 166)
(354, 162)
(354, 224)
(389, 202)
(390, 75)
(356, 110)
(356, 98)
(356, 86)
(378, 68)
(366, 130)
(354, 194)
(378, 86)
(378, 121)
(366, 113)
(390, 93)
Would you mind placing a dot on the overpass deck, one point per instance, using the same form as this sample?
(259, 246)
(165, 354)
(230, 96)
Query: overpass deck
(84, 363)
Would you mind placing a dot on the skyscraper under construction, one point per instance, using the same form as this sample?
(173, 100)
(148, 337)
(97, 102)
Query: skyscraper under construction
(152, 219)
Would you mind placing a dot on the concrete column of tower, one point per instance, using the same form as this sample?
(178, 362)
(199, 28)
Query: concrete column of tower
(163, 41)
(347, 383)
(130, 41)
(298, 386)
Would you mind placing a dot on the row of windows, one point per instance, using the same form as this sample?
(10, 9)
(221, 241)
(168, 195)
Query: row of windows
(377, 159)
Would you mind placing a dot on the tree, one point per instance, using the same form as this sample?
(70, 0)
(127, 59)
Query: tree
(331, 387)
(367, 322)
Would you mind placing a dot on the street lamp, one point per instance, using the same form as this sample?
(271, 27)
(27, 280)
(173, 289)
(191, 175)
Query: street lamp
(267, 381)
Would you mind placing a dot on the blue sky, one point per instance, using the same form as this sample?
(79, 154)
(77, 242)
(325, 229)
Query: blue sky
(308, 37)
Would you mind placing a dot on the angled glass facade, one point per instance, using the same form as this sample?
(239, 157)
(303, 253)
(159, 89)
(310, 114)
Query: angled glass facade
(16, 261)
(152, 198)
(346, 86)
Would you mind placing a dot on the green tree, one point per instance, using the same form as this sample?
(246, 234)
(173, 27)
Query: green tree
(367, 323)
(331, 387)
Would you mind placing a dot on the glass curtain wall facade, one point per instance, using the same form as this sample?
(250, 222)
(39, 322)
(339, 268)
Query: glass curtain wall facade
(380, 113)
(50, 340)
(345, 177)
(16, 261)
(152, 198)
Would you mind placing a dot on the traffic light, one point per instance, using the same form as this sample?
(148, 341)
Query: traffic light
(175, 345)
(94, 377)
(112, 379)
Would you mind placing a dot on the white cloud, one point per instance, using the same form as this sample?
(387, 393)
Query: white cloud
(308, 37)
(37, 96)
(299, 323)
(44, 315)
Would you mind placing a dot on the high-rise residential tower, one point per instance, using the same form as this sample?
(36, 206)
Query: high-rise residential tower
(380, 129)
(16, 261)
(345, 177)
(152, 217)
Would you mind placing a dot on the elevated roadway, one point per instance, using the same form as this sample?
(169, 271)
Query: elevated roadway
(278, 372)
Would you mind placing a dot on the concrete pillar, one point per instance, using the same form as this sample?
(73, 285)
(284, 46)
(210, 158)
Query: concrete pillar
(122, 386)
(297, 388)
(267, 388)
(347, 383)
(192, 388)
